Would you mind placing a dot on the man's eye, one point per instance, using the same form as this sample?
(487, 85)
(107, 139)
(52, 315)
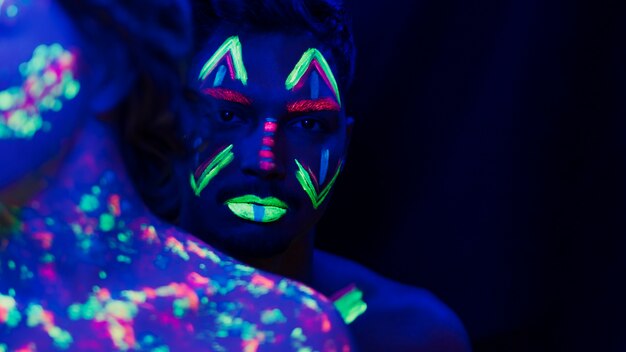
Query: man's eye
(227, 115)
(309, 124)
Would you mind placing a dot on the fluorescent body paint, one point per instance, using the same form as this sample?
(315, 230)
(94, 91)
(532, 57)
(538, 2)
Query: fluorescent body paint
(36, 315)
(124, 281)
(266, 154)
(231, 51)
(205, 172)
(9, 9)
(254, 208)
(309, 183)
(9, 314)
(48, 81)
(349, 302)
(312, 59)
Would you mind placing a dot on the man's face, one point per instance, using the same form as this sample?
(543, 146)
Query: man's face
(39, 100)
(269, 146)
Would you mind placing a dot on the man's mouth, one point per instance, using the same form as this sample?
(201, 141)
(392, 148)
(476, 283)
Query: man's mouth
(256, 209)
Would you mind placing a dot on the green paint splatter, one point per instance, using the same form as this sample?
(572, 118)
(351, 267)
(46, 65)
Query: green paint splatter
(272, 316)
(13, 316)
(107, 222)
(297, 334)
(88, 203)
(123, 259)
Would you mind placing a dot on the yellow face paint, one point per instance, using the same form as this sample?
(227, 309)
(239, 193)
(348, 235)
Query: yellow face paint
(256, 209)
(309, 184)
(205, 173)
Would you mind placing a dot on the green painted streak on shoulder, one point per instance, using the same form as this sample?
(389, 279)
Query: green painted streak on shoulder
(233, 45)
(351, 305)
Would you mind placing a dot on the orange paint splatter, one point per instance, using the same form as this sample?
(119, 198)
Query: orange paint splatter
(250, 345)
(326, 325)
(197, 279)
(261, 280)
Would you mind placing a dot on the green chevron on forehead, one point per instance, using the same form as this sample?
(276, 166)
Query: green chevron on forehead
(237, 69)
(312, 57)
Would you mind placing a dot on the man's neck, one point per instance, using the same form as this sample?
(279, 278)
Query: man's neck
(295, 263)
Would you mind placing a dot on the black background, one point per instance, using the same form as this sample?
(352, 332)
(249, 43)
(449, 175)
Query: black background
(488, 165)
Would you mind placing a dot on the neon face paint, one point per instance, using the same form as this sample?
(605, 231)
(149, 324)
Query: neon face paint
(205, 172)
(266, 154)
(324, 165)
(312, 59)
(228, 95)
(230, 50)
(49, 79)
(349, 302)
(317, 105)
(309, 183)
(314, 83)
(219, 76)
(253, 208)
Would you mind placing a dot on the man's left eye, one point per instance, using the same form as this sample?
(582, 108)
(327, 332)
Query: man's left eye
(309, 125)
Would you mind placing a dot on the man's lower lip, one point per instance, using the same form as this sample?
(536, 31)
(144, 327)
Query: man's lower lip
(255, 212)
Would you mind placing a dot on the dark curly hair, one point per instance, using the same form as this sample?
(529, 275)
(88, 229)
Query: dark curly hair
(326, 20)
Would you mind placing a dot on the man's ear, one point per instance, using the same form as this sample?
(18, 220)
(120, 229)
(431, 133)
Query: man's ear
(112, 77)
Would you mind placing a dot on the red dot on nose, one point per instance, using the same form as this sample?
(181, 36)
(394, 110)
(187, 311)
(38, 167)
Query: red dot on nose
(268, 154)
(266, 165)
(268, 141)
(270, 127)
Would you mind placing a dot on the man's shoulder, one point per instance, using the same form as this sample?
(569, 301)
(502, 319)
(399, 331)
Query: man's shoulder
(398, 316)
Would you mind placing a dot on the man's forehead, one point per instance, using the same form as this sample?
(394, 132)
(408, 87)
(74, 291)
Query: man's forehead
(264, 51)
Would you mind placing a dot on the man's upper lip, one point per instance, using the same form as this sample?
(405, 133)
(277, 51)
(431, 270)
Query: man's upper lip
(267, 201)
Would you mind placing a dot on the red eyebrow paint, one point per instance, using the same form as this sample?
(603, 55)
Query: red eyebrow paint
(323, 104)
(228, 95)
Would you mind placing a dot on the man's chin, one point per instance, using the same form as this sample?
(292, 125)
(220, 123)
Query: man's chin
(259, 243)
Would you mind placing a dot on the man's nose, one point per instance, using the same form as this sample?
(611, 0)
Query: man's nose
(262, 159)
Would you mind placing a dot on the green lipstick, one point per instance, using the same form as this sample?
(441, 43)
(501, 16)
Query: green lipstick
(253, 208)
